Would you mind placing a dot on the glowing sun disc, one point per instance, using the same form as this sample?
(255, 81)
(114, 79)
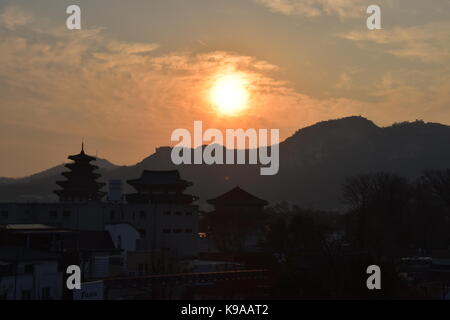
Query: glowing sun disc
(229, 93)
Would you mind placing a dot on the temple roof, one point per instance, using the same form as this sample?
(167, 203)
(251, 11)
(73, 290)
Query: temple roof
(237, 196)
(158, 178)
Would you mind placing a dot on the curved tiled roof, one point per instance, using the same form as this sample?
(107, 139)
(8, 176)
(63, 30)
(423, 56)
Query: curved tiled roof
(237, 196)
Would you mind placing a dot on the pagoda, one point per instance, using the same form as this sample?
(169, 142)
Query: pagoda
(81, 181)
(160, 187)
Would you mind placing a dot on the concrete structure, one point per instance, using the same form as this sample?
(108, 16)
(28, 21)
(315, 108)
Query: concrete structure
(162, 226)
(27, 274)
(115, 190)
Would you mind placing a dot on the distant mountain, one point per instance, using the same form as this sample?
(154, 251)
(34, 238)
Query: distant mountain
(314, 163)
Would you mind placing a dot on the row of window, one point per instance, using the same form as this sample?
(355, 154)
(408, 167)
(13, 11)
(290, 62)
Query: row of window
(51, 214)
(45, 294)
(177, 213)
(54, 214)
(143, 214)
(4, 214)
(143, 232)
(177, 230)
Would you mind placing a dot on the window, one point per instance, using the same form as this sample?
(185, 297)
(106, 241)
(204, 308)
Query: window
(143, 233)
(177, 213)
(119, 242)
(112, 215)
(28, 268)
(177, 230)
(166, 230)
(26, 294)
(141, 268)
(167, 213)
(188, 230)
(189, 213)
(116, 261)
(3, 214)
(66, 213)
(45, 293)
(143, 215)
(53, 214)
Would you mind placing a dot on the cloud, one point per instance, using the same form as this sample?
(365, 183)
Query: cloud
(125, 95)
(344, 81)
(314, 8)
(428, 43)
(13, 17)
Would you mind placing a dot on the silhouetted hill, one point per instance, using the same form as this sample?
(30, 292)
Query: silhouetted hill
(314, 163)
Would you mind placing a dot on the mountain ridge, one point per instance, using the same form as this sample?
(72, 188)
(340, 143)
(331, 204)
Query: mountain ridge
(314, 163)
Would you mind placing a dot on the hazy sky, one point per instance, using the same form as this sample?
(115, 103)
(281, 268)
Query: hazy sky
(139, 69)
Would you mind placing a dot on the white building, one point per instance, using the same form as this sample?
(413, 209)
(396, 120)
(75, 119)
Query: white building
(161, 226)
(29, 275)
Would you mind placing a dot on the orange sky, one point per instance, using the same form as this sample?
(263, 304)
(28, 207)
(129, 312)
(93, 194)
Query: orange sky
(136, 72)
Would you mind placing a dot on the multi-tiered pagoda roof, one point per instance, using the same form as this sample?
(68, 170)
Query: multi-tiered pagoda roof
(160, 187)
(81, 181)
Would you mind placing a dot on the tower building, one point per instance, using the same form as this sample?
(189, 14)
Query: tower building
(81, 183)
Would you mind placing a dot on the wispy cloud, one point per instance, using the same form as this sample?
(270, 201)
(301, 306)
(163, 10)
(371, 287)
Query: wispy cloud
(314, 8)
(13, 17)
(130, 95)
(428, 43)
(88, 84)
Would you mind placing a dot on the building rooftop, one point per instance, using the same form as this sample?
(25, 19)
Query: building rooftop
(151, 177)
(237, 196)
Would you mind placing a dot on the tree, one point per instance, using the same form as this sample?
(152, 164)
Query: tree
(378, 217)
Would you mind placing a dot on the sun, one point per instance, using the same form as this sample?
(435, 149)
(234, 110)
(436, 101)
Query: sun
(229, 93)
